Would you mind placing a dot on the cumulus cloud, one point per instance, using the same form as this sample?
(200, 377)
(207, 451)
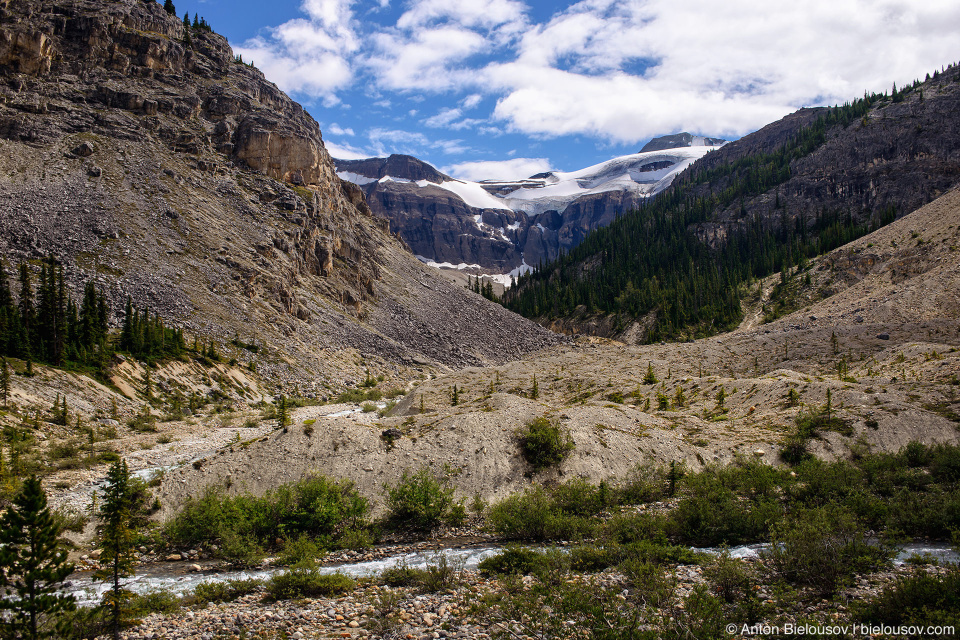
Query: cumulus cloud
(626, 71)
(617, 70)
(309, 55)
(346, 151)
(513, 169)
(337, 130)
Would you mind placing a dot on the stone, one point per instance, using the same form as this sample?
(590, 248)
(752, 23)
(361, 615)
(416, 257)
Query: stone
(84, 150)
(883, 336)
(173, 557)
(96, 553)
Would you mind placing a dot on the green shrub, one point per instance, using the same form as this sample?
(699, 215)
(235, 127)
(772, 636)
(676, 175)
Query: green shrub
(535, 515)
(225, 591)
(823, 548)
(304, 582)
(711, 513)
(919, 599)
(544, 444)
(517, 560)
(299, 550)
(402, 575)
(244, 525)
(421, 501)
(440, 574)
(143, 604)
(645, 483)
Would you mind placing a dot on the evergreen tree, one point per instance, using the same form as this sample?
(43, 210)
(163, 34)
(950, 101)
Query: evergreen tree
(33, 566)
(4, 382)
(27, 311)
(117, 536)
(283, 416)
(169, 8)
(535, 391)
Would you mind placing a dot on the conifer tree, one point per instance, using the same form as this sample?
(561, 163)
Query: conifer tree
(283, 416)
(117, 535)
(33, 566)
(169, 8)
(535, 391)
(4, 382)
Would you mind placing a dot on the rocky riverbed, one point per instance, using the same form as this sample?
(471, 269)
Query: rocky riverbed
(377, 611)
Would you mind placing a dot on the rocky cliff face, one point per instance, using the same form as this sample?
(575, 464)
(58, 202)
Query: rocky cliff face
(166, 170)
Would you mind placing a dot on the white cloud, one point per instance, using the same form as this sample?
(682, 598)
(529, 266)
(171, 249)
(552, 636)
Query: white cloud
(346, 151)
(337, 130)
(618, 70)
(471, 101)
(312, 55)
(475, 13)
(444, 118)
(425, 60)
(513, 169)
(625, 71)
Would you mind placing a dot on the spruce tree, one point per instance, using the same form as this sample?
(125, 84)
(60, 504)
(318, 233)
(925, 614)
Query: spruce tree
(117, 537)
(4, 382)
(283, 416)
(33, 566)
(169, 8)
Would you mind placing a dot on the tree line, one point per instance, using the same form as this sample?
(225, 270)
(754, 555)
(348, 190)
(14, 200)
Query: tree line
(44, 324)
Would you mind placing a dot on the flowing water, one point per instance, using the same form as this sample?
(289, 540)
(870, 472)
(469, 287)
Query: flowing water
(167, 577)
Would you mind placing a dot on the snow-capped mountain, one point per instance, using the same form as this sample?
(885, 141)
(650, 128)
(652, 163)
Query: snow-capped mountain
(500, 227)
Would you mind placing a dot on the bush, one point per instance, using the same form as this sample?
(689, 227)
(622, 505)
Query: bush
(317, 507)
(920, 599)
(143, 604)
(421, 501)
(226, 591)
(517, 560)
(544, 444)
(402, 575)
(300, 550)
(306, 582)
(712, 513)
(645, 483)
(535, 515)
(822, 548)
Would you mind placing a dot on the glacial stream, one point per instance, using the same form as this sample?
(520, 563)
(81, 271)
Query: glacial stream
(164, 577)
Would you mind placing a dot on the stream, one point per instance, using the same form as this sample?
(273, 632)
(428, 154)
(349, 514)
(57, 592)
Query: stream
(165, 577)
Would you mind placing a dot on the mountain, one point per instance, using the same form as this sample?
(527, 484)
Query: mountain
(504, 227)
(767, 203)
(143, 156)
(678, 140)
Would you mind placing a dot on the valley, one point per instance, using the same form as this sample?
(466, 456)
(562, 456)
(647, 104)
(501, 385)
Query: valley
(753, 344)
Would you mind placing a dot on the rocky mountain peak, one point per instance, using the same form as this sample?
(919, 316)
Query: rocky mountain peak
(677, 140)
(394, 166)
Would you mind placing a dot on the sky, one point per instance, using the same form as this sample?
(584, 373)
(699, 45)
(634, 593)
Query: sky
(503, 89)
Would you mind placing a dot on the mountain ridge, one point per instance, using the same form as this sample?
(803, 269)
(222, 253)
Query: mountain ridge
(508, 226)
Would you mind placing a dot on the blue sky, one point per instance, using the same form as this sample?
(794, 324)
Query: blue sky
(508, 88)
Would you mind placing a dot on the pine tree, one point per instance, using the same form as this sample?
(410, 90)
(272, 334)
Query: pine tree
(169, 8)
(650, 377)
(283, 416)
(455, 396)
(117, 535)
(4, 381)
(535, 390)
(33, 566)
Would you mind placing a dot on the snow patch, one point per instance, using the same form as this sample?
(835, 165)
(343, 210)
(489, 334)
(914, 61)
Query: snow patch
(355, 178)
